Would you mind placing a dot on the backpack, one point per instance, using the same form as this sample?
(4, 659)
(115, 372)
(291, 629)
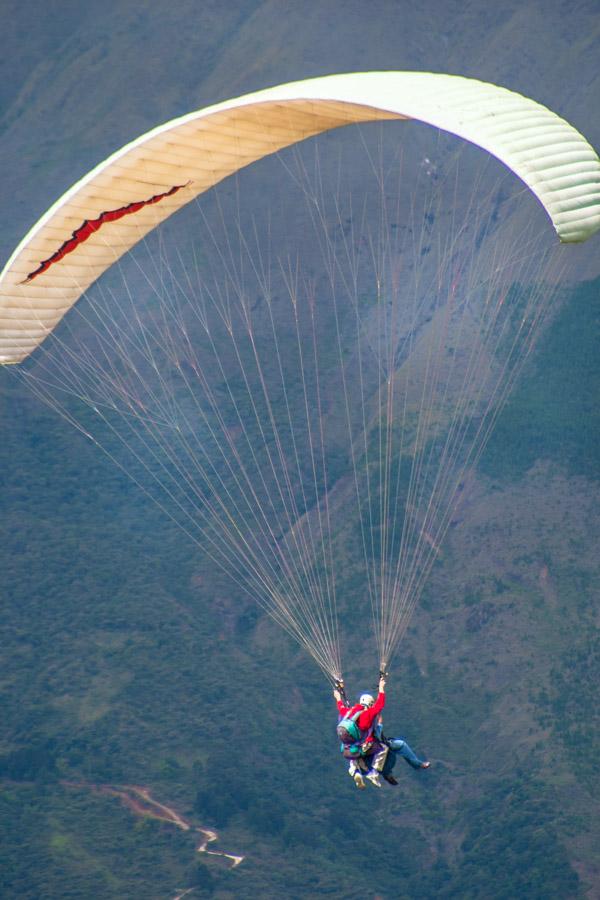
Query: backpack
(347, 729)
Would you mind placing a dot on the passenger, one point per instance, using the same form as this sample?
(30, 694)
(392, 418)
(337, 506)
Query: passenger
(397, 747)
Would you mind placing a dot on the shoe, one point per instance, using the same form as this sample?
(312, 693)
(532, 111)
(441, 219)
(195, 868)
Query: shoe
(425, 765)
(390, 779)
(373, 777)
(359, 781)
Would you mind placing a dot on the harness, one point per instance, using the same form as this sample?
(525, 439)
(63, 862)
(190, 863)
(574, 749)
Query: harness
(354, 741)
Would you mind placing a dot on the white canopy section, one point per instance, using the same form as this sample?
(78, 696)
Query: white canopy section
(109, 210)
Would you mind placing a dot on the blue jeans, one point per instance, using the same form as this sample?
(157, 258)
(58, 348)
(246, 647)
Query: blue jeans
(399, 747)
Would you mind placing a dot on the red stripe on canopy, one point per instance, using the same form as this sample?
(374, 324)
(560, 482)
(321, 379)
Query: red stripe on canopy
(89, 226)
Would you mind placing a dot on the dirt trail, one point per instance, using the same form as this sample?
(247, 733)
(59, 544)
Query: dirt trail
(140, 801)
(170, 815)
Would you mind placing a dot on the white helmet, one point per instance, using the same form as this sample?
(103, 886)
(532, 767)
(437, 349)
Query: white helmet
(366, 700)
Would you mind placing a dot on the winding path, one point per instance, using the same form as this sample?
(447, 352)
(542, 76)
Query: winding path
(140, 801)
(166, 814)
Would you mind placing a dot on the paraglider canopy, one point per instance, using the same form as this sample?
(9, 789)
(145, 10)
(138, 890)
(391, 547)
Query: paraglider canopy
(113, 207)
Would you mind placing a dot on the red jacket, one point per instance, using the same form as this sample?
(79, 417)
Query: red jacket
(367, 719)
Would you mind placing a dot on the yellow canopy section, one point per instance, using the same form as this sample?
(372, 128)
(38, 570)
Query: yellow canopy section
(130, 193)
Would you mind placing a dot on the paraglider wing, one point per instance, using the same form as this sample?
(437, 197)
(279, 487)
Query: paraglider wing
(113, 207)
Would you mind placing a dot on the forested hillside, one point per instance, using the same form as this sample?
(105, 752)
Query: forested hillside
(130, 660)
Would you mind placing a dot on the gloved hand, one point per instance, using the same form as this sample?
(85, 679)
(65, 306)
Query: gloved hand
(382, 685)
(337, 695)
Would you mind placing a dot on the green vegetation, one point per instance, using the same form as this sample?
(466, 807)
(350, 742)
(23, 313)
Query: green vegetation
(570, 706)
(512, 847)
(554, 412)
